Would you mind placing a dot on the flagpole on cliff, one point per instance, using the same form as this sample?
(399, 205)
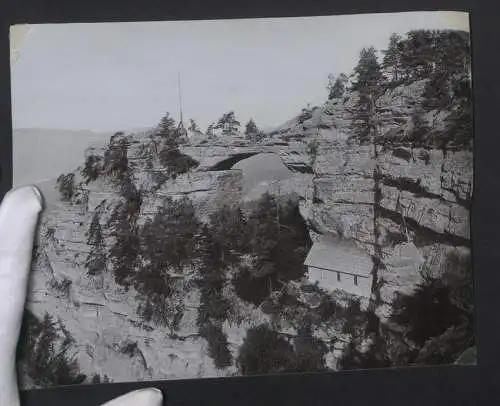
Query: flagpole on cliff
(180, 95)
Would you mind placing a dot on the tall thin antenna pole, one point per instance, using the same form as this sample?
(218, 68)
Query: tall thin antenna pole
(180, 97)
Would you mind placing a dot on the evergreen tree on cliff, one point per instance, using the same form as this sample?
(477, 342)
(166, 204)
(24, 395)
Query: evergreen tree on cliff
(251, 127)
(228, 124)
(170, 155)
(392, 58)
(193, 126)
(418, 55)
(265, 351)
(124, 253)
(166, 125)
(167, 130)
(44, 352)
(252, 132)
(211, 130)
(368, 75)
(96, 260)
(337, 87)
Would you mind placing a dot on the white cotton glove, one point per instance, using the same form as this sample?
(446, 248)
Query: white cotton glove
(18, 220)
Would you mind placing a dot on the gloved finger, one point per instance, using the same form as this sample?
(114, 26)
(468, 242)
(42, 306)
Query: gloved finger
(141, 397)
(18, 220)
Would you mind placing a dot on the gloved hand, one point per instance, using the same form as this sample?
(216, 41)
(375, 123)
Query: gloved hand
(18, 220)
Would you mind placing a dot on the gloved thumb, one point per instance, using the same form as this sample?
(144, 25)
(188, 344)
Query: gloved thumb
(18, 220)
(142, 397)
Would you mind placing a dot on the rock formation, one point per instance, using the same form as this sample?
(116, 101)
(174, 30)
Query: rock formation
(420, 204)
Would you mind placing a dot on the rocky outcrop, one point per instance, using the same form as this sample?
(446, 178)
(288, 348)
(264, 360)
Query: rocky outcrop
(420, 203)
(423, 205)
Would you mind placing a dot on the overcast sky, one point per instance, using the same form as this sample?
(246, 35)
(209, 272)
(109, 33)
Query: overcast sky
(119, 76)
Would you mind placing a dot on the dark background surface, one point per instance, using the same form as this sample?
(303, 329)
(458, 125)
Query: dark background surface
(408, 386)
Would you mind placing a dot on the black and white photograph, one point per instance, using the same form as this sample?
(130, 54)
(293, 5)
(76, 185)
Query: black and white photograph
(245, 197)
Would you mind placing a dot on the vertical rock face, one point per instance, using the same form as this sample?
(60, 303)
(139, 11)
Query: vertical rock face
(424, 200)
(422, 214)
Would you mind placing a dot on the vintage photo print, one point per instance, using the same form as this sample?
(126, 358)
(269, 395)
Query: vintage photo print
(242, 197)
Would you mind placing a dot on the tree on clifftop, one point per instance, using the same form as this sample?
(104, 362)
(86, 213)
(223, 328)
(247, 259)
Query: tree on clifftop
(170, 155)
(66, 185)
(251, 127)
(193, 126)
(368, 76)
(166, 128)
(228, 124)
(252, 132)
(392, 57)
(210, 130)
(367, 70)
(336, 88)
(116, 157)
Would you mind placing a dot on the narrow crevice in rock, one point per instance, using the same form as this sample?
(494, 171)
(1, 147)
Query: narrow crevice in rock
(415, 187)
(423, 235)
(377, 259)
(466, 203)
(409, 185)
(302, 168)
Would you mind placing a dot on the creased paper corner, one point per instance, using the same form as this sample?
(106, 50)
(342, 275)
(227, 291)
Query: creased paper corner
(17, 35)
(459, 20)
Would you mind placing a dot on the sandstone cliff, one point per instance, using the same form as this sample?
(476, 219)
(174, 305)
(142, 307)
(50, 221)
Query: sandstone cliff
(420, 204)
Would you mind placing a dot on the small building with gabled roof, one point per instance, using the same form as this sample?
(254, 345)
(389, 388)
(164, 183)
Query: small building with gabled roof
(336, 264)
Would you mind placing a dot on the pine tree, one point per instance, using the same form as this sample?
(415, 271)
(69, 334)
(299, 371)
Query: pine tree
(392, 57)
(166, 127)
(309, 351)
(228, 124)
(214, 307)
(126, 248)
(251, 128)
(92, 168)
(116, 157)
(263, 225)
(367, 70)
(66, 184)
(96, 259)
(43, 352)
(228, 228)
(211, 130)
(265, 351)
(169, 242)
(337, 87)
(170, 155)
(368, 84)
(418, 54)
(169, 238)
(218, 346)
(252, 132)
(211, 279)
(193, 127)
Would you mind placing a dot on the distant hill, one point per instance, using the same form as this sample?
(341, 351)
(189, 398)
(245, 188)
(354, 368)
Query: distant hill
(42, 154)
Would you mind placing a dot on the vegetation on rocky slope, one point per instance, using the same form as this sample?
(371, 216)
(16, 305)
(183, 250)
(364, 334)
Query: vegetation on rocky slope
(442, 59)
(433, 325)
(43, 352)
(258, 252)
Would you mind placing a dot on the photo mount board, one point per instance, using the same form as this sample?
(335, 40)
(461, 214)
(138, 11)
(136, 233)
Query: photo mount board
(210, 382)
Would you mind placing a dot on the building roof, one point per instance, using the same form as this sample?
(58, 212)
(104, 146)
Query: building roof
(335, 254)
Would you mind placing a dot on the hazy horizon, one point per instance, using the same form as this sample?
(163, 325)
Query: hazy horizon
(107, 77)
